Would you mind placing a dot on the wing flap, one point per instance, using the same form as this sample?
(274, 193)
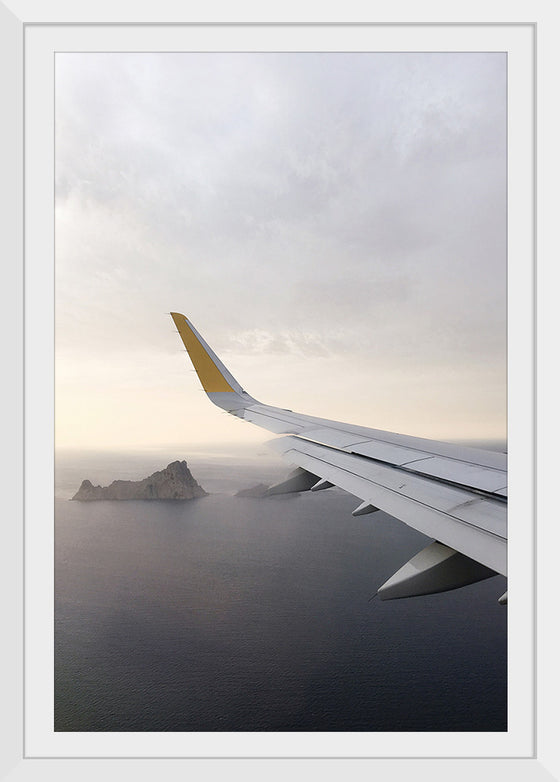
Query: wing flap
(476, 526)
(456, 464)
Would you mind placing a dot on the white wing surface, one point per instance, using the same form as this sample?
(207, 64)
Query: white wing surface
(453, 494)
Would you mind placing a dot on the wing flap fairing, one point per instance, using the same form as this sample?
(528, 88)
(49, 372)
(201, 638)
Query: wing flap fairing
(437, 568)
(365, 507)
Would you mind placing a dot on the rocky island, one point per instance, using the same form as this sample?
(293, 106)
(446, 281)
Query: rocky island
(260, 490)
(175, 482)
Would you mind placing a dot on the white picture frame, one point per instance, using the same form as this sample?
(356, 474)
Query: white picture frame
(536, 756)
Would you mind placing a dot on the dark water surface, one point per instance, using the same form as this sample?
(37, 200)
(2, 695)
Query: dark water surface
(240, 614)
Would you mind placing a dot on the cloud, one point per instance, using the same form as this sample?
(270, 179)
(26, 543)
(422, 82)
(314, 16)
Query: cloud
(296, 204)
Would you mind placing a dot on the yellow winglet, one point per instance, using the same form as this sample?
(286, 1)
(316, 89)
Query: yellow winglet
(207, 365)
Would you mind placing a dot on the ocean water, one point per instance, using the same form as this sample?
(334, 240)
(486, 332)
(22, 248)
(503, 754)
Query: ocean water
(230, 613)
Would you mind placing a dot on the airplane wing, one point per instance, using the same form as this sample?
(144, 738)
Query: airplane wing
(453, 494)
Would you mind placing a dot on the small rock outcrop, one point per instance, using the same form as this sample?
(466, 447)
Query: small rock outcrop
(260, 490)
(175, 482)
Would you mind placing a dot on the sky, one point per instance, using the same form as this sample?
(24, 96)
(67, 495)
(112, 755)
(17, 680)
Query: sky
(333, 224)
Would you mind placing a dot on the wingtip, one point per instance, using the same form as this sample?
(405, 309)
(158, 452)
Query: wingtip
(213, 375)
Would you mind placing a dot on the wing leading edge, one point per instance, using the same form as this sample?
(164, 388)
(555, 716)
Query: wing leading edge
(453, 494)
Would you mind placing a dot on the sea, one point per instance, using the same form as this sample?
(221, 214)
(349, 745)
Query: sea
(229, 613)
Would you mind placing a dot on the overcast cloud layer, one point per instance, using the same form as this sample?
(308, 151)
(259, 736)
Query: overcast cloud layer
(334, 213)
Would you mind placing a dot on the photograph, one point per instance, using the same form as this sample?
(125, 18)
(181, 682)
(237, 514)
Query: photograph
(280, 398)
